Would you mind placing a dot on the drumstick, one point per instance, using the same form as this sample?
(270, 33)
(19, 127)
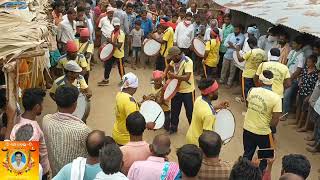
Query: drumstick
(283, 115)
(204, 70)
(157, 117)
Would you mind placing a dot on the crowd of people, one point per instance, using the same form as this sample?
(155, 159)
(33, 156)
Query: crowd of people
(280, 77)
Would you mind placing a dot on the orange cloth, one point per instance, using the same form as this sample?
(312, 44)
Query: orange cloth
(284, 52)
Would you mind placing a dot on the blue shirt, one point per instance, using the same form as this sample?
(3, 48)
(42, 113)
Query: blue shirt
(236, 41)
(131, 20)
(89, 174)
(146, 25)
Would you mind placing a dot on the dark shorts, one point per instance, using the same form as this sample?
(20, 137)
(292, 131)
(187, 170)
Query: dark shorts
(301, 104)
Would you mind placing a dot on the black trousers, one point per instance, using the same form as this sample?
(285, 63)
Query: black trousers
(250, 143)
(167, 115)
(219, 67)
(186, 51)
(176, 103)
(161, 63)
(86, 77)
(108, 66)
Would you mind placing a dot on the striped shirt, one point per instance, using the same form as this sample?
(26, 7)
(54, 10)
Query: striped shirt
(65, 137)
(214, 170)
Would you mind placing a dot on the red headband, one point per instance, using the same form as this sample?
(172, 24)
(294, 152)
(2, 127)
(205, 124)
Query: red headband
(210, 89)
(215, 34)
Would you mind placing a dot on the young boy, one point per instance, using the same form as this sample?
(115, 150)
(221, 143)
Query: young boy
(136, 39)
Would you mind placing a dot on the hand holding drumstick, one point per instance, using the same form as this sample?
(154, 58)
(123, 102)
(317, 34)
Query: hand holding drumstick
(222, 105)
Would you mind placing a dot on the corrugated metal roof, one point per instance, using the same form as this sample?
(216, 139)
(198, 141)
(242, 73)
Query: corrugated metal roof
(301, 15)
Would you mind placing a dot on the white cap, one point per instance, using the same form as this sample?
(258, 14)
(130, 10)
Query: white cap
(129, 80)
(72, 66)
(116, 21)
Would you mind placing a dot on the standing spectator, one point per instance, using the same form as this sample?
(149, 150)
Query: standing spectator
(80, 20)
(252, 31)
(136, 39)
(86, 168)
(295, 64)
(233, 41)
(269, 41)
(208, 14)
(58, 9)
(184, 34)
(136, 149)
(32, 101)
(155, 167)
(316, 51)
(297, 164)
(212, 166)
(70, 143)
(131, 16)
(213, 23)
(146, 23)
(122, 15)
(182, 15)
(211, 56)
(243, 169)
(67, 30)
(189, 158)
(193, 9)
(284, 47)
(227, 28)
(307, 82)
(105, 24)
(89, 20)
(110, 158)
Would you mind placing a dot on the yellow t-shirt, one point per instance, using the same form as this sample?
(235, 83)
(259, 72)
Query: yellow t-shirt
(203, 118)
(261, 104)
(166, 104)
(84, 48)
(119, 53)
(80, 59)
(168, 37)
(185, 66)
(125, 105)
(80, 83)
(253, 59)
(280, 73)
(213, 57)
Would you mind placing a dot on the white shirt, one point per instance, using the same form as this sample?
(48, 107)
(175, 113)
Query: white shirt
(207, 34)
(66, 31)
(116, 176)
(246, 47)
(183, 35)
(189, 10)
(16, 167)
(317, 106)
(106, 27)
(298, 62)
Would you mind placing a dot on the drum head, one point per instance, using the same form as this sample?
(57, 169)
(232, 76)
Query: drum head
(151, 47)
(82, 107)
(106, 52)
(225, 125)
(239, 64)
(170, 89)
(199, 47)
(152, 112)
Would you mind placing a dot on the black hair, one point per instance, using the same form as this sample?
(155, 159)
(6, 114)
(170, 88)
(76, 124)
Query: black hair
(316, 43)
(210, 142)
(189, 14)
(253, 41)
(183, 10)
(81, 9)
(194, 4)
(267, 74)
(89, 2)
(297, 164)
(119, 4)
(135, 124)
(110, 157)
(227, 15)
(71, 11)
(313, 58)
(190, 159)
(205, 83)
(240, 26)
(137, 22)
(24, 133)
(18, 152)
(109, 140)
(31, 97)
(285, 34)
(94, 147)
(299, 40)
(3, 99)
(196, 16)
(275, 52)
(129, 5)
(206, 4)
(175, 14)
(66, 96)
(56, 4)
(243, 169)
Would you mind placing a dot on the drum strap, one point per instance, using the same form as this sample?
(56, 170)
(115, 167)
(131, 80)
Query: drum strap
(210, 105)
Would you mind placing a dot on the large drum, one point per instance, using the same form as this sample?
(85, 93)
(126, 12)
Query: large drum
(83, 108)
(152, 112)
(151, 47)
(237, 63)
(170, 89)
(199, 47)
(106, 52)
(225, 125)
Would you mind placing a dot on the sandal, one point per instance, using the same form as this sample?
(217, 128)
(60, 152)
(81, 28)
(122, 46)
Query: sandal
(103, 83)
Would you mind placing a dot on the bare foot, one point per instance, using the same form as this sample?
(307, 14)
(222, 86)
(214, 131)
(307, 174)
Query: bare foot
(312, 150)
(302, 130)
(309, 138)
(311, 143)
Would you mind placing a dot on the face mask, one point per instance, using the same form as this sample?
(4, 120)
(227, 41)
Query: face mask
(272, 38)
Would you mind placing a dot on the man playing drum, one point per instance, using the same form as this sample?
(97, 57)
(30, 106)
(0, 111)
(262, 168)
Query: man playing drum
(72, 76)
(117, 39)
(203, 117)
(264, 110)
(166, 44)
(182, 71)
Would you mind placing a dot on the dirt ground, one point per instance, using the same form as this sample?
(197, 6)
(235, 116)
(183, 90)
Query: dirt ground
(102, 117)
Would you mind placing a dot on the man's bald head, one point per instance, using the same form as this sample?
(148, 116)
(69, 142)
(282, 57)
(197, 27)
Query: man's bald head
(210, 142)
(95, 141)
(290, 176)
(160, 145)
